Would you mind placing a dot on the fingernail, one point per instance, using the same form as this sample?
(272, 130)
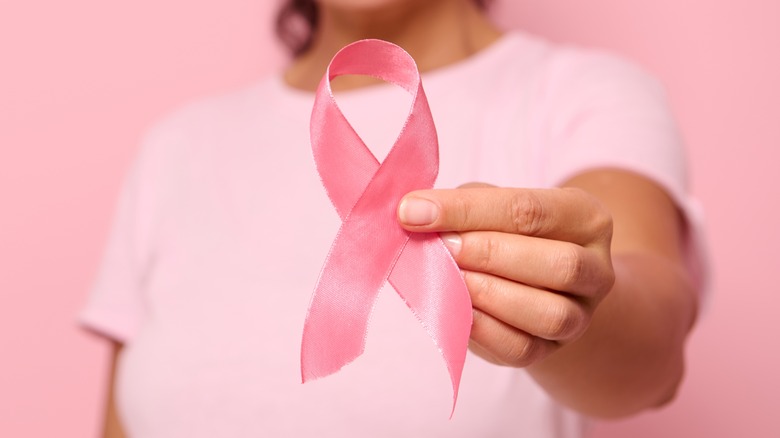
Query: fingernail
(417, 211)
(452, 241)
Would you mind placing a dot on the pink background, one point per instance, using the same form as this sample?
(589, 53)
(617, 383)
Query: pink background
(80, 79)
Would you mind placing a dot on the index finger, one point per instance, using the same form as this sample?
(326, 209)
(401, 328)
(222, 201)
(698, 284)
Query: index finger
(566, 214)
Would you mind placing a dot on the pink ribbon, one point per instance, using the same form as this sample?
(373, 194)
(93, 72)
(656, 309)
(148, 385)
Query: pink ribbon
(371, 247)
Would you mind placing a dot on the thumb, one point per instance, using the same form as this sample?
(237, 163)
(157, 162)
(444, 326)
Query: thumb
(475, 185)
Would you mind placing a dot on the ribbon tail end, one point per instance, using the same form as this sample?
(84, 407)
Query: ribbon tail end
(313, 368)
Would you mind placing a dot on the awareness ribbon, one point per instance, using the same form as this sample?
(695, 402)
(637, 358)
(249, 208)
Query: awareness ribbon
(371, 247)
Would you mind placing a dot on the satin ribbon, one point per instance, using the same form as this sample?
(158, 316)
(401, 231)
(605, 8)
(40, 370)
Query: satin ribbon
(371, 247)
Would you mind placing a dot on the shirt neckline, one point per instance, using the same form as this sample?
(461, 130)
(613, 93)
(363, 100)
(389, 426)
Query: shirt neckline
(455, 72)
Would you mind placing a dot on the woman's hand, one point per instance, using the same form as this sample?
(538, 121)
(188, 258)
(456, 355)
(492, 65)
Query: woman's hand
(536, 262)
(586, 286)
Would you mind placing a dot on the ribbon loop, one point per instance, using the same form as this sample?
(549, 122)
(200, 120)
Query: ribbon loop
(371, 247)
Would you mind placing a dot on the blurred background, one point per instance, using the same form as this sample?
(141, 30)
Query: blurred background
(81, 79)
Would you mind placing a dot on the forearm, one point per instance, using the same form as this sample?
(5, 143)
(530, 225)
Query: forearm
(631, 356)
(112, 427)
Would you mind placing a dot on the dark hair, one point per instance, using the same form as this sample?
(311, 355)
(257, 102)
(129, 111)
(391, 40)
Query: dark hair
(297, 20)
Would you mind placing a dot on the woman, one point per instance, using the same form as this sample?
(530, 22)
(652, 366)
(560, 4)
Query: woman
(582, 291)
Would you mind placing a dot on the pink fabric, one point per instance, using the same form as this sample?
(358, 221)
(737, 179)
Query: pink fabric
(371, 248)
(223, 225)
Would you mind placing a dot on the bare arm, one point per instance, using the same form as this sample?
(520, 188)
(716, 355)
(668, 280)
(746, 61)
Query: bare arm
(112, 428)
(631, 355)
(585, 286)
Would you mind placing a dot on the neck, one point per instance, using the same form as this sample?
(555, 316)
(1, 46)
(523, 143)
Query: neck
(436, 33)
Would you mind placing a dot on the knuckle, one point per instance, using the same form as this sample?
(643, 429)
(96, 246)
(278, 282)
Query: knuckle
(569, 264)
(600, 220)
(522, 352)
(565, 321)
(609, 282)
(607, 278)
(463, 216)
(485, 254)
(480, 287)
(527, 213)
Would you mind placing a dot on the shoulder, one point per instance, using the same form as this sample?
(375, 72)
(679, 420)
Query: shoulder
(209, 113)
(191, 130)
(186, 139)
(593, 64)
(599, 79)
(567, 69)
(561, 80)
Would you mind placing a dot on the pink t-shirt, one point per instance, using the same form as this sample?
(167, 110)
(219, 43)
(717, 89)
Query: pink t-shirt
(222, 228)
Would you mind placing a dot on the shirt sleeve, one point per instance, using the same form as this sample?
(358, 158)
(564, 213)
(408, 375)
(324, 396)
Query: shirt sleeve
(605, 112)
(116, 306)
